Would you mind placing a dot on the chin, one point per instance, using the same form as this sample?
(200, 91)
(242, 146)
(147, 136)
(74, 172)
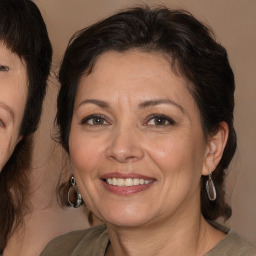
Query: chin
(126, 218)
(126, 223)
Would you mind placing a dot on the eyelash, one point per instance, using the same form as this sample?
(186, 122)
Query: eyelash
(4, 68)
(2, 123)
(102, 120)
(161, 117)
(85, 120)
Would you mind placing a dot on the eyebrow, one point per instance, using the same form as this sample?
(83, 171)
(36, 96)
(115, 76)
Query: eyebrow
(99, 103)
(151, 103)
(7, 108)
(144, 104)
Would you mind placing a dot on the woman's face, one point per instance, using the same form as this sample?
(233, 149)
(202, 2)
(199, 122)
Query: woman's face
(13, 95)
(136, 143)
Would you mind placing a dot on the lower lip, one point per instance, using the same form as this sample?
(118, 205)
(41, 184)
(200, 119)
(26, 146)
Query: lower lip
(125, 191)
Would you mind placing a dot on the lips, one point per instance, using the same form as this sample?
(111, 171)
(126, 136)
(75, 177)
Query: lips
(126, 184)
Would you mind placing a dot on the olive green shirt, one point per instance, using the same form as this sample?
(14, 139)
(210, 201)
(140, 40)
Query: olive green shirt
(94, 242)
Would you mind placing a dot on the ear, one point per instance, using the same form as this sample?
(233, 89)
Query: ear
(215, 148)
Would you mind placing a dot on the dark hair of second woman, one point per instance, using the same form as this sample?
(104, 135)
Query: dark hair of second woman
(193, 53)
(23, 32)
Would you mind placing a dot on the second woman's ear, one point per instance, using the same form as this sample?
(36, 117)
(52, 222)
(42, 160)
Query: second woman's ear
(215, 148)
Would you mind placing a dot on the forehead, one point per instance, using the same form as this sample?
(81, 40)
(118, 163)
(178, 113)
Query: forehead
(10, 58)
(13, 83)
(132, 72)
(126, 81)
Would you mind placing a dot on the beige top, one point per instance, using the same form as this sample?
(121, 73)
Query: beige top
(94, 242)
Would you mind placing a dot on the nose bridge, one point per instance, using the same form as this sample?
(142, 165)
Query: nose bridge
(125, 143)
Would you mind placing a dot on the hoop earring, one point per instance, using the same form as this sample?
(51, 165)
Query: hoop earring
(210, 188)
(77, 198)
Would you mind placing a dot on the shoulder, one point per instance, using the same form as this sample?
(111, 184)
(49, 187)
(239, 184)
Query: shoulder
(81, 240)
(242, 246)
(233, 245)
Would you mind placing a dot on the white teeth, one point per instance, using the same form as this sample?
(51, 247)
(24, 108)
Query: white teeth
(136, 182)
(109, 181)
(127, 182)
(120, 182)
(114, 181)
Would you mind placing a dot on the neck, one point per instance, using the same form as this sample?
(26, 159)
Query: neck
(187, 234)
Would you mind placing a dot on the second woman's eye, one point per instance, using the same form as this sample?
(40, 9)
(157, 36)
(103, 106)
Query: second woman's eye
(160, 120)
(94, 120)
(4, 68)
(2, 123)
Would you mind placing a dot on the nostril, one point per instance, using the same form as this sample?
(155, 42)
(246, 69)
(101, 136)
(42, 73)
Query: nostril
(123, 147)
(124, 158)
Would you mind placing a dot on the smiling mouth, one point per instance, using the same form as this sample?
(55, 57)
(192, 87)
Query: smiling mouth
(128, 182)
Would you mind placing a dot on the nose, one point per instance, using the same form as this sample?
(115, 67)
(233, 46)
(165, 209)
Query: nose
(125, 145)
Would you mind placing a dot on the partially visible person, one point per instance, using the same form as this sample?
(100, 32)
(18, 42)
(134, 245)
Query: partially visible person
(25, 61)
(145, 112)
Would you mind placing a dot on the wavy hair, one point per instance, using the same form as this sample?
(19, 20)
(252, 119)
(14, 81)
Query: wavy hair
(192, 51)
(23, 32)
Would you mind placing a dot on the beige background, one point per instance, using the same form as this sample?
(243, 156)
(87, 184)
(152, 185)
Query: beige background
(234, 22)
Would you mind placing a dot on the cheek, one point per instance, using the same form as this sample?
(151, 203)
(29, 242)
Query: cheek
(6, 149)
(85, 152)
(2, 159)
(179, 160)
(179, 153)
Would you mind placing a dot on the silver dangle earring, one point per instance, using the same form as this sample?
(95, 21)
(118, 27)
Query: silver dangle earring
(210, 188)
(74, 197)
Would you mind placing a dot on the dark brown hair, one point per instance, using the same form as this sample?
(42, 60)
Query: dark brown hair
(193, 52)
(23, 32)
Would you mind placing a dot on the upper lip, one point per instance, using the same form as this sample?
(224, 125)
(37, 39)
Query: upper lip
(125, 176)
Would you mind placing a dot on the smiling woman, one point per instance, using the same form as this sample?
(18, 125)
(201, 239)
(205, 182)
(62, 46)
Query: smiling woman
(145, 112)
(145, 129)
(25, 59)
(14, 90)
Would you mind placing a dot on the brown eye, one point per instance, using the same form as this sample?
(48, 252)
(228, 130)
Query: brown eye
(160, 120)
(98, 120)
(94, 120)
(4, 68)
(2, 123)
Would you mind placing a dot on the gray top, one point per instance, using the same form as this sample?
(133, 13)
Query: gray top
(94, 242)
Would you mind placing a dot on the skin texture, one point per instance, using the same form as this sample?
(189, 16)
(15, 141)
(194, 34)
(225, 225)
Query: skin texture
(13, 88)
(147, 123)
